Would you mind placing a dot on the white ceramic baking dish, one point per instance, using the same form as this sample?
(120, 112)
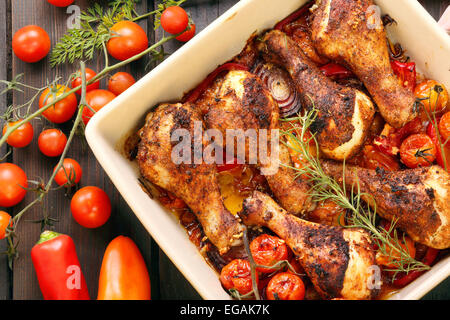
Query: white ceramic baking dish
(426, 43)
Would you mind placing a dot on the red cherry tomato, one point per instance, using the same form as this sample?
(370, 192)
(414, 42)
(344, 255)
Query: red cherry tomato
(96, 99)
(5, 221)
(31, 44)
(446, 148)
(21, 137)
(52, 142)
(89, 75)
(237, 275)
(174, 20)
(188, 35)
(13, 180)
(444, 127)
(128, 40)
(61, 3)
(61, 111)
(69, 174)
(433, 95)
(285, 286)
(91, 207)
(120, 82)
(418, 150)
(268, 250)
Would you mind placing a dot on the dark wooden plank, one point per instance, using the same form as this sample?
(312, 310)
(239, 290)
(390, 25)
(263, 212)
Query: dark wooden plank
(435, 7)
(90, 243)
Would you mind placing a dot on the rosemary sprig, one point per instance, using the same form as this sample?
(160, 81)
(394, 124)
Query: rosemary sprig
(361, 215)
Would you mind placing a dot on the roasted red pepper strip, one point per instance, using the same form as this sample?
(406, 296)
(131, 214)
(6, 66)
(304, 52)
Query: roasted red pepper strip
(336, 71)
(58, 269)
(405, 279)
(431, 132)
(227, 165)
(406, 71)
(293, 16)
(197, 92)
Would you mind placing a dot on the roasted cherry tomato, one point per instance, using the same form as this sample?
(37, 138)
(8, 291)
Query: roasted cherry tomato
(373, 159)
(433, 95)
(61, 3)
(285, 286)
(120, 82)
(444, 127)
(13, 180)
(63, 110)
(96, 99)
(329, 213)
(69, 174)
(406, 72)
(31, 44)
(5, 222)
(237, 275)
(52, 142)
(91, 207)
(128, 40)
(418, 150)
(267, 251)
(188, 35)
(89, 75)
(174, 20)
(21, 137)
(123, 275)
(445, 147)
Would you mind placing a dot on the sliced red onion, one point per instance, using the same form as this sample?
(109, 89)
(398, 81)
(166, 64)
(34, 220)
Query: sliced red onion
(281, 86)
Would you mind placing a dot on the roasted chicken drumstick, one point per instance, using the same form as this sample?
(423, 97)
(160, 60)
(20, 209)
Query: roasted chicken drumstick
(195, 184)
(347, 31)
(338, 261)
(418, 198)
(344, 114)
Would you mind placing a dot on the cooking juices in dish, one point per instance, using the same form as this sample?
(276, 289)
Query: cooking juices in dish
(358, 206)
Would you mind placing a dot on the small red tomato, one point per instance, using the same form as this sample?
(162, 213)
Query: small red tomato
(128, 39)
(31, 44)
(63, 110)
(433, 95)
(373, 159)
(188, 35)
(237, 275)
(96, 99)
(174, 20)
(444, 127)
(418, 150)
(69, 174)
(5, 222)
(13, 180)
(89, 75)
(61, 3)
(442, 152)
(267, 251)
(120, 82)
(91, 207)
(21, 137)
(285, 286)
(52, 142)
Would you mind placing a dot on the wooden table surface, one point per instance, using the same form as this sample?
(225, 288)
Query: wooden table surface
(21, 282)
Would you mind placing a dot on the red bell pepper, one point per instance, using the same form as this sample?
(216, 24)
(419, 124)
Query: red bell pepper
(336, 71)
(403, 280)
(58, 269)
(197, 92)
(406, 71)
(293, 16)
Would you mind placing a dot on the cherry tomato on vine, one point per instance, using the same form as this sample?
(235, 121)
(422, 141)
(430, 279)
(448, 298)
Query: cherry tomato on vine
(174, 20)
(63, 110)
(69, 174)
(267, 251)
(128, 40)
(433, 95)
(5, 221)
(13, 180)
(444, 127)
(237, 275)
(285, 286)
(91, 207)
(21, 137)
(31, 43)
(89, 75)
(96, 99)
(52, 142)
(120, 82)
(60, 3)
(418, 150)
(188, 35)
